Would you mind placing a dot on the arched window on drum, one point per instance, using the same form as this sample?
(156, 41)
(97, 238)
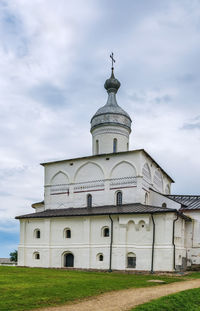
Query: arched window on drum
(119, 198)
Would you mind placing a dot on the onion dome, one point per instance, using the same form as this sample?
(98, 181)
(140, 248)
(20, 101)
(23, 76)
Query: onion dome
(111, 113)
(112, 84)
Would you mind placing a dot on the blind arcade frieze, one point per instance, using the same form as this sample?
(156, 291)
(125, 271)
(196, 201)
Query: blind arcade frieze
(89, 186)
(59, 189)
(94, 185)
(123, 182)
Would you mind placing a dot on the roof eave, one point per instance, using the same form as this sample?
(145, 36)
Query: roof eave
(111, 154)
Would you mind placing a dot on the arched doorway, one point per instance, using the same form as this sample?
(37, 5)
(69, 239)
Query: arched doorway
(68, 260)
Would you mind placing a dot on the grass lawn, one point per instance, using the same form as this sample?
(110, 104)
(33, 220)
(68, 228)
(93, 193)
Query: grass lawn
(28, 288)
(188, 300)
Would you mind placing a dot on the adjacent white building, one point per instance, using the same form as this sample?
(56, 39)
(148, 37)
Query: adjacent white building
(112, 210)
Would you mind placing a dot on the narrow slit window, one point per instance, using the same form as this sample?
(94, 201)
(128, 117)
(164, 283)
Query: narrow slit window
(89, 200)
(37, 234)
(68, 234)
(119, 198)
(115, 145)
(97, 146)
(106, 232)
(100, 257)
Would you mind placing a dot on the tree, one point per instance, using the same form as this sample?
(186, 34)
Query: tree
(13, 256)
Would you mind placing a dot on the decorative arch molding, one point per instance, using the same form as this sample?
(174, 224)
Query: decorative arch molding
(101, 175)
(142, 225)
(89, 177)
(123, 175)
(136, 221)
(67, 252)
(130, 222)
(59, 183)
(133, 171)
(130, 228)
(146, 172)
(138, 225)
(158, 180)
(59, 173)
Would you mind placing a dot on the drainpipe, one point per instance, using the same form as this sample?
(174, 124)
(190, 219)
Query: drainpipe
(153, 243)
(173, 243)
(111, 242)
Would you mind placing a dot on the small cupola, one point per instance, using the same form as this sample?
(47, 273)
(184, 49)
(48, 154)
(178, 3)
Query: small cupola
(111, 125)
(112, 84)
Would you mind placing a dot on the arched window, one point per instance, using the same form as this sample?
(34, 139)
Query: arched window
(67, 233)
(36, 255)
(37, 233)
(119, 198)
(89, 200)
(164, 205)
(131, 260)
(106, 232)
(100, 257)
(97, 146)
(115, 145)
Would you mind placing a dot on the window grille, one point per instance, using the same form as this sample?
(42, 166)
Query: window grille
(89, 200)
(119, 198)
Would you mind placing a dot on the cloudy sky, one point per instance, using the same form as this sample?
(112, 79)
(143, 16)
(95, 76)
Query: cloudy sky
(54, 59)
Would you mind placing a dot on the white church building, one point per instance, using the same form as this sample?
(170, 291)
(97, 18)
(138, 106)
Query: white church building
(112, 210)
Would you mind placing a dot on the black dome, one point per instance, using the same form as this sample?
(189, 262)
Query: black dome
(112, 84)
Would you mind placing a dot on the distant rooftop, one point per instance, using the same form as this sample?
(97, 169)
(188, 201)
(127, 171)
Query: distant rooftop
(6, 261)
(189, 202)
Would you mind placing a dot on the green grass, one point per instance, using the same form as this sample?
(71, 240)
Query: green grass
(28, 288)
(188, 300)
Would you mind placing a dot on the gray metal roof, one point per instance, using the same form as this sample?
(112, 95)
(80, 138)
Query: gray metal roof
(135, 208)
(189, 202)
(36, 204)
(111, 113)
(111, 107)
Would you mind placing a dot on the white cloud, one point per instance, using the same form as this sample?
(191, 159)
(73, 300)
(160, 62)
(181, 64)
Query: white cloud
(54, 61)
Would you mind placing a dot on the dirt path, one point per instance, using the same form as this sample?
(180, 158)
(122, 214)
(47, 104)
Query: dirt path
(125, 299)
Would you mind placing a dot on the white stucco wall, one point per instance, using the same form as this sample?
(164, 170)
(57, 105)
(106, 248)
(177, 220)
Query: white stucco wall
(193, 237)
(68, 182)
(131, 233)
(158, 199)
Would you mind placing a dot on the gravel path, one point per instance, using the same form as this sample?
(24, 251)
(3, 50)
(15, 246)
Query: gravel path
(125, 299)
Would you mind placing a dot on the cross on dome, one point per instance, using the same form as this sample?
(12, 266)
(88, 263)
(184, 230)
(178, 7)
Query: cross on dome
(113, 60)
